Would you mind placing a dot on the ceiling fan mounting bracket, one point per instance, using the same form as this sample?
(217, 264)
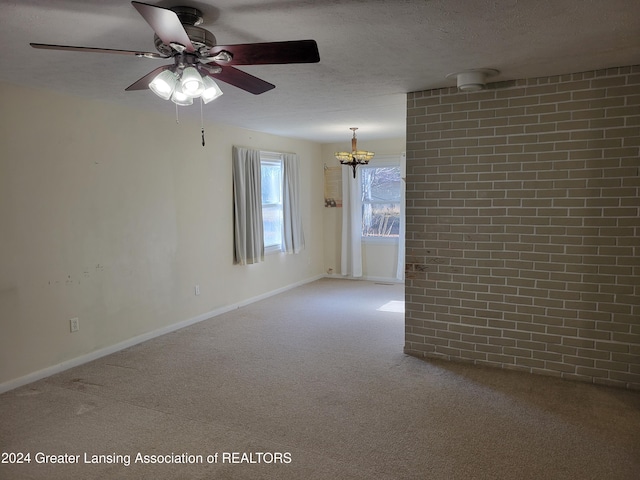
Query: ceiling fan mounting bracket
(188, 15)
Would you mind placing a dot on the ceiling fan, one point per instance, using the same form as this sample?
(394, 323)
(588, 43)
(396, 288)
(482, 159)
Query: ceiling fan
(197, 59)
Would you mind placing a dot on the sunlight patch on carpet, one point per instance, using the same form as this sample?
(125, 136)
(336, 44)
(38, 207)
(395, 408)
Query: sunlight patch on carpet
(392, 306)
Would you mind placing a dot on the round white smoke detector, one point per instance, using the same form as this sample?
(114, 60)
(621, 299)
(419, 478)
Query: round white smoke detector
(473, 80)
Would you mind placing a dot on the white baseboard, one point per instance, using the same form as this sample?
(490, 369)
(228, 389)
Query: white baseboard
(366, 278)
(89, 357)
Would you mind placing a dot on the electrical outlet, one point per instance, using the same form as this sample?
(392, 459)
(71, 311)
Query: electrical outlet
(74, 323)
(197, 289)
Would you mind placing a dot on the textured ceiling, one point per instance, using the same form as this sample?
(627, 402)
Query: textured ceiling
(372, 52)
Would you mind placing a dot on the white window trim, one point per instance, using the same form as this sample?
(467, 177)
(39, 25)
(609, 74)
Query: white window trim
(380, 240)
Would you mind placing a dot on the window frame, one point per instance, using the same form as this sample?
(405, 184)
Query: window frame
(273, 159)
(381, 161)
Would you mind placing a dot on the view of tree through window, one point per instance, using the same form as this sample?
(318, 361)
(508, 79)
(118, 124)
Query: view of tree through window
(381, 197)
(271, 179)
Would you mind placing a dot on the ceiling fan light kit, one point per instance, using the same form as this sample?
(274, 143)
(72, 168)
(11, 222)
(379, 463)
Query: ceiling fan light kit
(473, 80)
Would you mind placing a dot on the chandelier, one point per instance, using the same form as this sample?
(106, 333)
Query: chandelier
(182, 83)
(355, 157)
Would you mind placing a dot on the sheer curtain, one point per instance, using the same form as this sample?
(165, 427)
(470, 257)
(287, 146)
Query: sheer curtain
(401, 240)
(248, 241)
(293, 235)
(351, 253)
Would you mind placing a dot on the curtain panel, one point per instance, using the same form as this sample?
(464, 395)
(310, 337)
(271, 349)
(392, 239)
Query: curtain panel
(248, 238)
(293, 234)
(351, 251)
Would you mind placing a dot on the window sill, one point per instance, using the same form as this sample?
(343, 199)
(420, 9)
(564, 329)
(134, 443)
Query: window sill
(380, 240)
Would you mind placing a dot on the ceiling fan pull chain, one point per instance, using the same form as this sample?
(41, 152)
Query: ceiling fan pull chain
(177, 120)
(202, 120)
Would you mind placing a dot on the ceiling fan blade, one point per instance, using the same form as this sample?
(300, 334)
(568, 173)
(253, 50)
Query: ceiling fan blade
(239, 79)
(143, 83)
(96, 50)
(296, 51)
(166, 24)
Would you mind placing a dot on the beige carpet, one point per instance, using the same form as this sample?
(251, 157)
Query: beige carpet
(313, 384)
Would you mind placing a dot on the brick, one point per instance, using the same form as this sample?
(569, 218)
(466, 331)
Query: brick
(547, 356)
(530, 362)
(578, 342)
(625, 377)
(595, 354)
(544, 172)
(584, 362)
(624, 358)
(490, 349)
(592, 372)
(473, 355)
(599, 83)
(617, 366)
(560, 367)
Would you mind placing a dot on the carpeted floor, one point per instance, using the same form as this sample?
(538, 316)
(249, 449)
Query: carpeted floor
(312, 384)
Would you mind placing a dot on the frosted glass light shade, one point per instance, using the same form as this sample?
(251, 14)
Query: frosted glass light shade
(180, 98)
(164, 84)
(211, 90)
(191, 82)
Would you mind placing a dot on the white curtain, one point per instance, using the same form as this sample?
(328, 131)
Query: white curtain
(351, 254)
(293, 235)
(401, 239)
(248, 240)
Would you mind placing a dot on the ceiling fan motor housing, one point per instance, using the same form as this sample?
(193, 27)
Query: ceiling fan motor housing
(190, 19)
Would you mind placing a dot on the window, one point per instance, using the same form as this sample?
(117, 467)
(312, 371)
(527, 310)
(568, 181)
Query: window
(266, 204)
(271, 180)
(381, 201)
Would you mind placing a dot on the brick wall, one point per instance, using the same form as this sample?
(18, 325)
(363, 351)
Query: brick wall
(523, 226)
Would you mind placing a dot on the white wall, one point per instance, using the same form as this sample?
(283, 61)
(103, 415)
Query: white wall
(113, 215)
(379, 261)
